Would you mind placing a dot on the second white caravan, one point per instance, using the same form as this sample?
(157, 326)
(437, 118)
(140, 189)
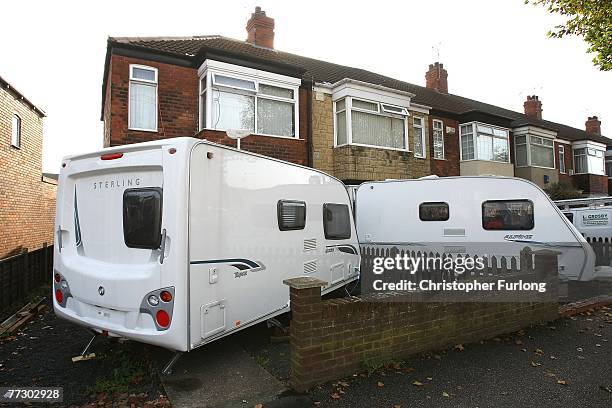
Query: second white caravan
(180, 242)
(475, 213)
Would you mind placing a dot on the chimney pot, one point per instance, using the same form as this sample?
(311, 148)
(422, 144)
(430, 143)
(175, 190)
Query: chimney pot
(436, 78)
(260, 29)
(533, 107)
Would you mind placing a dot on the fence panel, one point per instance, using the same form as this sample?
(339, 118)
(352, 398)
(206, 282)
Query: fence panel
(22, 273)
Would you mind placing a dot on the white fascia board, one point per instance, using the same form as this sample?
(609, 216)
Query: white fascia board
(238, 70)
(535, 131)
(589, 144)
(372, 92)
(417, 107)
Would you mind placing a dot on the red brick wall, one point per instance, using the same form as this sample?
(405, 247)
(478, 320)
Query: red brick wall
(591, 183)
(27, 205)
(450, 165)
(178, 90)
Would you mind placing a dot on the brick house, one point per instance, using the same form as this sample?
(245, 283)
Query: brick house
(27, 212)
(354, 124)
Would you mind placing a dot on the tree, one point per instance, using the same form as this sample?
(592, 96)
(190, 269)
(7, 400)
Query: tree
(591, 19)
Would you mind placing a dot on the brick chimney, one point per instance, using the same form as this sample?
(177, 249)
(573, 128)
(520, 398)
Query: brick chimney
(260, 29)
(437, 78)
(533, 107)
(593, 125)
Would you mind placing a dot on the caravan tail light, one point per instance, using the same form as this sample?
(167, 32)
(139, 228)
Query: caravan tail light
(163, 319)
(59, 296)
(111, 156)
(165, 296)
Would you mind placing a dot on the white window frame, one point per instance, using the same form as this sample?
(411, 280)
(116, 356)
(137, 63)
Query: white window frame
(211, 68)
(380, 111)
(16, 135)
(474, 138)
(423, 153)
(433, 134)
(590, 150)
(560, 155)
(144, 81)
(532, 140)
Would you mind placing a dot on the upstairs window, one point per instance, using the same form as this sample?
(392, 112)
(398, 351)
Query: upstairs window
(142, 109)
(371, 123)
(234, 97)
(438, 139)
(484, 142)
(16, 131)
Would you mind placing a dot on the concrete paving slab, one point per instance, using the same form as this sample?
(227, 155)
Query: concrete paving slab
(222, 375)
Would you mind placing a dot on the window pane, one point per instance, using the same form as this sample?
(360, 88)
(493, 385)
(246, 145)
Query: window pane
(433, 212)
(500, 149)
(275, 117)
(547, 142)
(275, 91)
(500, 132)
(291, 215)
(467, 147)
(580, 163)
(377, 130)
(340, 105)
(365, 105)
(341, 128)
(465, 129)
(437, 124)
(394, 109)
(521, 155)
(484, 129)
(234, 82)
(233, 111)
(142, 214)
(561, 159)
(336, 221)
(16, 131)
(507, 215)
(418, 121)
(520, 140)
(542, 156)
(485, 147)
(143, 106)
(419, 147)
(438, 143)
(144, 74)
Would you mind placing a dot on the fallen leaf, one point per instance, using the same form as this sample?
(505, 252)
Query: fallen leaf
(562, 382)
(258, 406)
(335, 396)
(397, 406)
(317, 403)
(539, 352)
(553, 357)
(534, 364)
(524, 350)
(459, 347)
(579, 349)
(445, 394)
(343, 383)
(396, 365)
(417, 383)
(518, 342)
(429, 378)
(380, 384)
(437, 357)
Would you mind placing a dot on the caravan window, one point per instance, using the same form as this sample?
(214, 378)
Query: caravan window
(433, 211)
(507, 215)
(291, 215)
(336, 221)
(142, 213)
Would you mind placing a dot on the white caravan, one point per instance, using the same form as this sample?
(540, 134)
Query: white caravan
(472, 214)
(180, 242)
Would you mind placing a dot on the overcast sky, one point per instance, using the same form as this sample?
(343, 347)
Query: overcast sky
(494, 51)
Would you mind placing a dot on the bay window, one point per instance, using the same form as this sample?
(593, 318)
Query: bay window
(438, 139)
(542, 152)
(370, 123)
(235, 97)
(589, 159)
(484, 142)
(142, 108)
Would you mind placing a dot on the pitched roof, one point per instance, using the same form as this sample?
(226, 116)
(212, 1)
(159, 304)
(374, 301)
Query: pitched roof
(5, 84)
(323, 71)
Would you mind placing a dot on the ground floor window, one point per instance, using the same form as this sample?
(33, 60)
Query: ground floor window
(484, 142)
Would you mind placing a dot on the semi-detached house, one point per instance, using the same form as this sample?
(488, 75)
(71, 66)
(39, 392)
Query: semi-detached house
(354, 124)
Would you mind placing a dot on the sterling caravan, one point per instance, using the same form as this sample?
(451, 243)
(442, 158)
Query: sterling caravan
(180, 242)
(474, 214)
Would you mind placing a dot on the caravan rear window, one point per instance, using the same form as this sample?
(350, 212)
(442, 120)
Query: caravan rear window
(291, 215)
(336, 221)
(507, 215)
(142, 213)
(434, 211)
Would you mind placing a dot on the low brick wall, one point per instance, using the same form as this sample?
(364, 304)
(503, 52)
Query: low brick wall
(335, 338)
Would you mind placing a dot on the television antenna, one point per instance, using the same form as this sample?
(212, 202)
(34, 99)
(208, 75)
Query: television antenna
(237, 134)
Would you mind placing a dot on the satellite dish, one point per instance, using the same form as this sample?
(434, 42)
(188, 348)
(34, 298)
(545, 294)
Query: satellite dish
(237, 134)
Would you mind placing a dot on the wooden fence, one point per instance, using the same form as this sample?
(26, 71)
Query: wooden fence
(20, 274)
